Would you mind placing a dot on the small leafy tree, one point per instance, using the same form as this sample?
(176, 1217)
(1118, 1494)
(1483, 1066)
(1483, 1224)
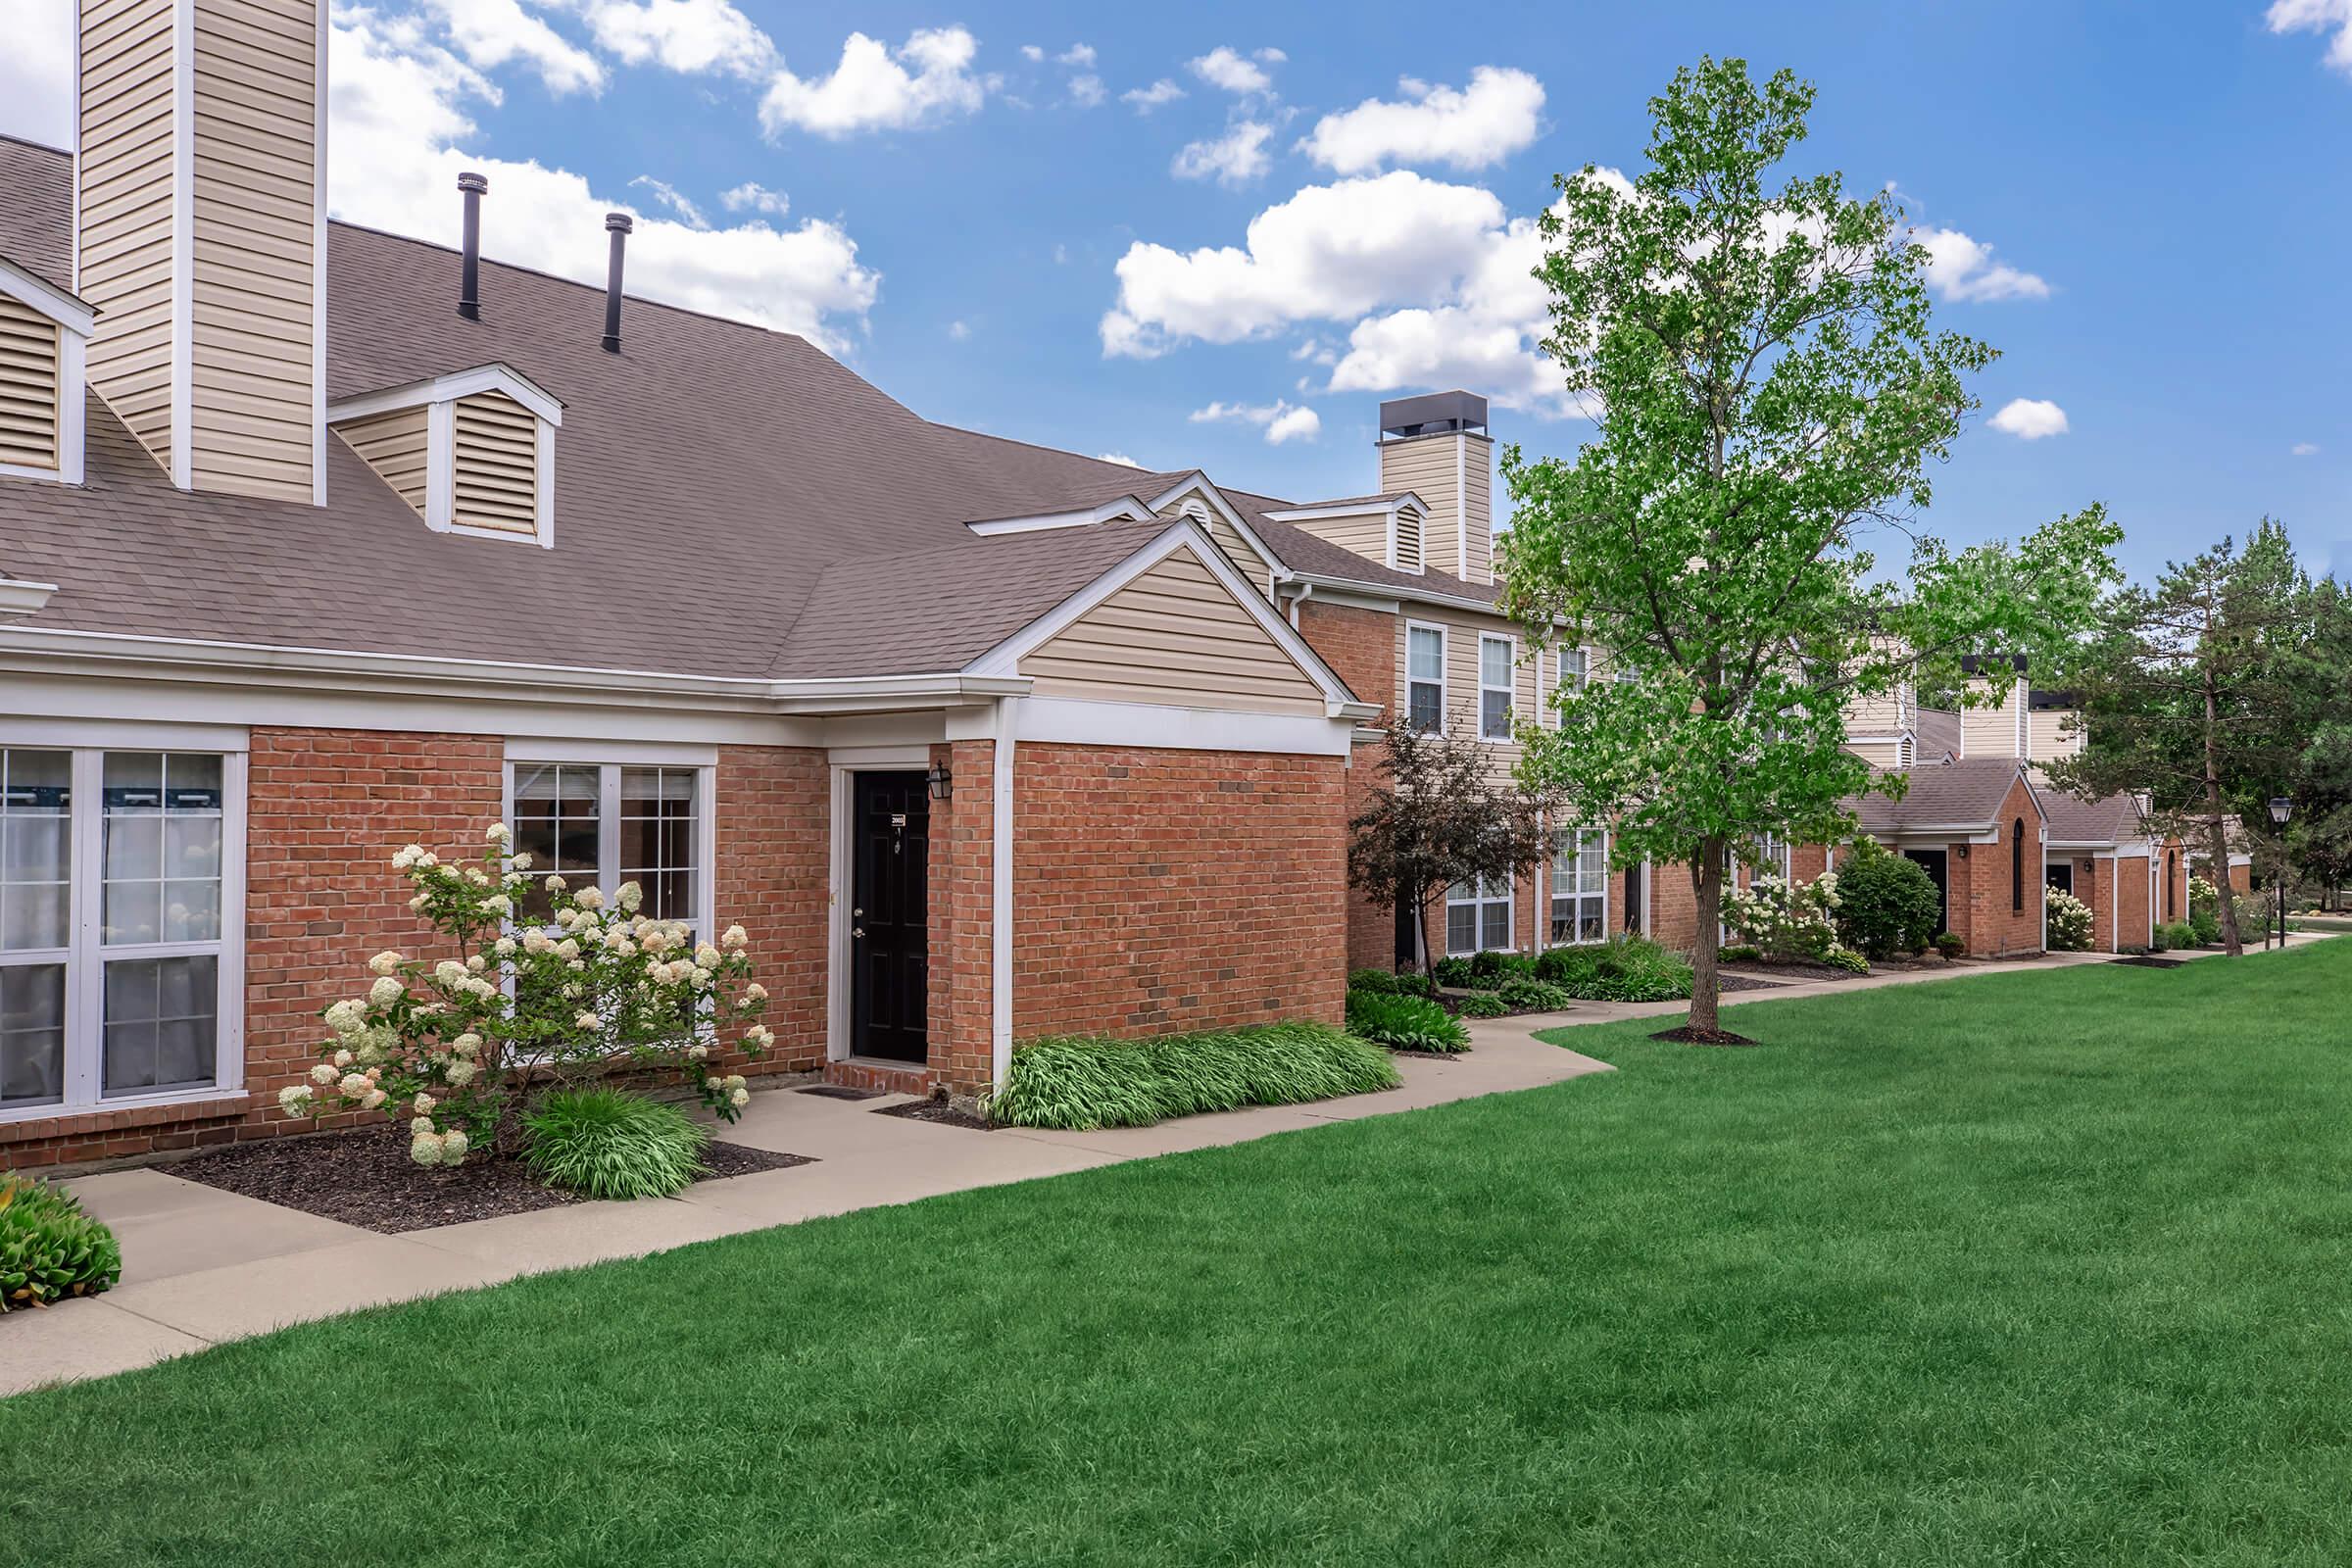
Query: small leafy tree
(451, 1045)
(2202, 691)
(1757, 356)
(1887, 902)
(1440, 814)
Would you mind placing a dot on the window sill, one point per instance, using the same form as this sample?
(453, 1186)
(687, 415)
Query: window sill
(32, 1122)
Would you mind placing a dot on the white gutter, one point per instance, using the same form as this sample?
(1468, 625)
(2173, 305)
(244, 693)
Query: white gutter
(22, 597)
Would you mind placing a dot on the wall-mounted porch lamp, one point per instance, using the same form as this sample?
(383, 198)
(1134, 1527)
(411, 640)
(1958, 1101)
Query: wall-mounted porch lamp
(942, 782)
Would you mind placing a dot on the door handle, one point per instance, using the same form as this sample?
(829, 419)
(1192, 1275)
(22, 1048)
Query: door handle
(858, 931)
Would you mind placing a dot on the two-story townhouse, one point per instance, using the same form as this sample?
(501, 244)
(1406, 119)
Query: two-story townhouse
(317, 540)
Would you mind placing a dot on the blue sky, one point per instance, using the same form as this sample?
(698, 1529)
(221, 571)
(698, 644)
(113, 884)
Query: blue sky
(988, 210)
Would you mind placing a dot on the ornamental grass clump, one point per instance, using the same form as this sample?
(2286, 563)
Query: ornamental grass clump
(1088, 1081)
(606, 1144)
(543, 987)
(49, 1248)
(1405, 1023)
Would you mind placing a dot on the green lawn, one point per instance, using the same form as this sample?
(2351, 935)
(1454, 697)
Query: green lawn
(2039, 1268)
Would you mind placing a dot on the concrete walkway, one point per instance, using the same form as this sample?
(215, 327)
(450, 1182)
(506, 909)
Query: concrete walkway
(201, 1265)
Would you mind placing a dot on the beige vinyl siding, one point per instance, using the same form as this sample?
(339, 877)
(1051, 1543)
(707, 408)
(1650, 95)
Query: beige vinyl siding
(496, 465)
(394, 445)
(1173, 636)
(1440, 469)
(1989, 732)
(1367, 534)
(1880, 715)
(256, 188)
(125, 243)
(1462, 633)
(1229, 541)
(1877, 753)
(2048, 737)
(1478, 504)
(29, 386)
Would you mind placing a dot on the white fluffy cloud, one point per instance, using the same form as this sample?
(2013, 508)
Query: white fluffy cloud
(491, 33)
(1146, 99)
(1280, 421)
(2305, 449)
(1087, 91)
(1118, 458)
(1467, 128)
(398, 125)
(1229, 69)
(2317, 16)
(1962, 268)
(875, 87)
(36, 73)
(1233, 159)
(752, 196)
(691, 36)
(2029, 418)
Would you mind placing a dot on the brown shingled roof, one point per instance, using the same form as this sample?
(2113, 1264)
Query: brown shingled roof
(2075, 820)
(1964, 796)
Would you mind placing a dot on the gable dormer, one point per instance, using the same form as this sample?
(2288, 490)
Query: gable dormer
(1392, 530)
(44, 339)
(472, 453)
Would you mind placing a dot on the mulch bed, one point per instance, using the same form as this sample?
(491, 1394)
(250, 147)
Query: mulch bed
(937, 1110)
(1702, 1037)
(1790, 971)
(1725, 980)
(2149, 961)
(364, 1178)
(1430, 1055)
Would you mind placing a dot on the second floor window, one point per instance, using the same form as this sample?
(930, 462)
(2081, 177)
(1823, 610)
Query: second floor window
(1572, 670)
(1494, 668)
(1425, 677)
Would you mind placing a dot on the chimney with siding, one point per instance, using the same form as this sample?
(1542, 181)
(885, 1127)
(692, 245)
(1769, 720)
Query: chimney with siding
(1437, 446)
(201, 237)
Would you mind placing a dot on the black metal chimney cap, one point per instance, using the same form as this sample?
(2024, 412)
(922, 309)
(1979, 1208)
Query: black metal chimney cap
(472, 184)
(620, 223)
(1433, 414)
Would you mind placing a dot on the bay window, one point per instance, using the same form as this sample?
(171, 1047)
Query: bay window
(605, 822)
(1425, 677)
(1580, 887)
(122, 895)
(1478, 915)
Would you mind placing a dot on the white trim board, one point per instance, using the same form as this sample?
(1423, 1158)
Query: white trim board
(1072, 721)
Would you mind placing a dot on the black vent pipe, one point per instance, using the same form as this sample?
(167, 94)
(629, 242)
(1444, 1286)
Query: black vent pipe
(470, 271)
(619, 225)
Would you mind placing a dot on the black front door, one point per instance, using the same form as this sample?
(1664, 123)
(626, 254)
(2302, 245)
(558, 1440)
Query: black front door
(1938, 866)
(1632, 896)
(889, 907)
(1408, 937)
(2060, 874)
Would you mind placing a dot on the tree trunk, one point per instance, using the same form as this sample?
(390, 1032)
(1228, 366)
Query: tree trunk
(2218, 839)
(1707, 878)
(1429, 963)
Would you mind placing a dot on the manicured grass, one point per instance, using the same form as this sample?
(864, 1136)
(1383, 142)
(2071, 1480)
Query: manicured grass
(2037, 1268)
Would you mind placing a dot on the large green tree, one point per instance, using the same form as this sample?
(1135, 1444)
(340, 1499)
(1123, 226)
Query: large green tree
(2204, 691)
(1757, 354)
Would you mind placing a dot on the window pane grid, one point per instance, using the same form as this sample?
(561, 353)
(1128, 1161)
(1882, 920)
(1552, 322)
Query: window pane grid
(163, 825)
(1579, 873)
(658, 838)
(1478, 914)
(33, 1035)
(36, 795)
(558, 823)
(1494, 690)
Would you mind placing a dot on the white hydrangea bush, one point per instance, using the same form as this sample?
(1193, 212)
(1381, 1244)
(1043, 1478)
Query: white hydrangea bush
(1782, 918)
(2070, 922)
(451, 1045)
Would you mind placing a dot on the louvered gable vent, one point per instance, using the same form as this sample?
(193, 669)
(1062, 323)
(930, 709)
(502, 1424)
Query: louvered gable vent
(44, 333)
(1408, 540)
(472, 452)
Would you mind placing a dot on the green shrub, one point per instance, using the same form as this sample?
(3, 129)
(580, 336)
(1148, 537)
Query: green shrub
(1483, 1005)
(2069, 921)
(608, 1144)
(1087, 1081)
(1887, 902)
(1405, 1023)
(1452, 972)
(1846, 958)
(1624, 969)
(1415, 985)
(1949, 945)
(1534, 996)
(2204, 928)
(1738, 953)
(1494, 966)
(49, 1248)
(2176, 935)
(1380, 980)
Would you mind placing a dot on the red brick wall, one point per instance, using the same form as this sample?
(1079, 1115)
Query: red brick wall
(1673, 905)
(2131, 900)
(1981, 892)
(773, 816)
(962, 892)
(1359, 646)
(1158, 890)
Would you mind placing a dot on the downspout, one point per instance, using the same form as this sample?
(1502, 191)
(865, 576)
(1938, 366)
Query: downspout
(1307, 591)
(1000, 922)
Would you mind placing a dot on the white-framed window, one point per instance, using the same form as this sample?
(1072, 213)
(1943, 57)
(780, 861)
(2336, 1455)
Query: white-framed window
(1580, 887)
(1497, 667)
(1478, 915)
(1425, 677)
(122, 913)
(1571, 670)
(606, 822)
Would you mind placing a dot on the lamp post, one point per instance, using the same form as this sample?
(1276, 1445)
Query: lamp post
(2282, 808)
